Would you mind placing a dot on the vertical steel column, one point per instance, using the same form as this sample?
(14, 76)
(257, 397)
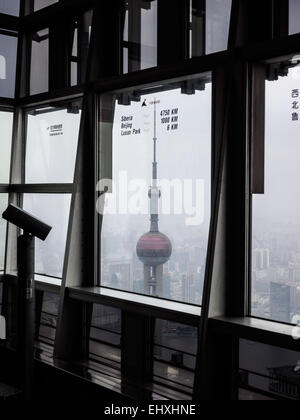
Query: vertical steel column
(60, 52)
(26, 314)
(173, 31)
(198, 29)
(134, 35)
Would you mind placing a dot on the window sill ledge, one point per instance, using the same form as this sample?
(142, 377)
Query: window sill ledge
(42, 283)
(145, 305)
(265, 331)
(47, 284)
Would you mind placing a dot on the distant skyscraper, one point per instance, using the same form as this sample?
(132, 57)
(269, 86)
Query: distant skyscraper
(294, 271)
(261, 259)
(154, 248)
(186, 286)
(120, 274)
(280, 302)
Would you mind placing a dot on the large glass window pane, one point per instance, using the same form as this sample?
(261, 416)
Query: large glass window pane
(53, 209)
(8, 60)
(140, 35)
(217, 25)
(39, 71)
(51, 144)
(276, 213)
(6, 123)
(168, 126)
(10, 7)
(3, 226)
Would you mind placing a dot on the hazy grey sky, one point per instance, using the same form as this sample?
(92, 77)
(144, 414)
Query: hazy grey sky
(281, 201)
(182, 154)
(6, 119)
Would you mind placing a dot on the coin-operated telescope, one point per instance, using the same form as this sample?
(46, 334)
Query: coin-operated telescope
(32, 228)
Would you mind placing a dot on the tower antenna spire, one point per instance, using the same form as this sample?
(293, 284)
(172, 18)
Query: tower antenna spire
(154, 193)
(154, 171)
(154, 248)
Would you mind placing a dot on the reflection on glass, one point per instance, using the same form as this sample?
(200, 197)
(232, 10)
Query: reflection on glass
(48, 322)
(8, 61)
(6, 123)
(270, 369)
(105, 335)
(51, 144)
(107, 318)
(276, 213)
(175, 355)
(155, 226)
(53, 209)
(140, 35)
(181, 338)
(3, 226)
(10, 7)
(39, 71)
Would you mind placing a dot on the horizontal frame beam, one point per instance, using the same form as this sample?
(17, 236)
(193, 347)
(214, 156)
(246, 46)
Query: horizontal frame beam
(41, 188)
(152, 307)
(10, 23)
(259, 330)
(44, 18)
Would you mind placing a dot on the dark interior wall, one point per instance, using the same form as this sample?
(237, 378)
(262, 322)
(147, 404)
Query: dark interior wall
(55, 384)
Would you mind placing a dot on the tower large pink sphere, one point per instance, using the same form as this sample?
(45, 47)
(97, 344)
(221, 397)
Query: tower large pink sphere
(154, 249)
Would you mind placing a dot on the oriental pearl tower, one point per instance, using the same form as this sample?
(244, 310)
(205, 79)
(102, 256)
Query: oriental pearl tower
(154, 248)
